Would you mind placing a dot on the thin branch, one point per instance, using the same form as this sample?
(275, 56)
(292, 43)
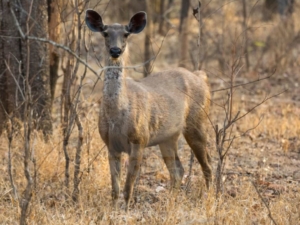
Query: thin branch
(265, 203)
(126, 67)
(245, 132)
(92, 161)
(226, 126)
(16, 21)
(263, 101)
(10, 131)
(159, 49)
(226, 151)
(188, 182)
(15, 80)
(243, 84)
(64, 48)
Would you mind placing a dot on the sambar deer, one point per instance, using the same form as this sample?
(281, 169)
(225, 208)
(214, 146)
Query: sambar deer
(155, 110)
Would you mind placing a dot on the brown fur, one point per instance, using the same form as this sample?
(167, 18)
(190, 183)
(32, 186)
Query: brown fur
(152, 111)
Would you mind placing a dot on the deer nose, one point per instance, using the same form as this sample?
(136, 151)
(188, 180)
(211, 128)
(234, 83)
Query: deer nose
(115, 52)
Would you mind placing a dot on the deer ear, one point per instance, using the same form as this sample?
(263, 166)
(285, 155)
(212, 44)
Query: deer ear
(137, 23)
(94, 21)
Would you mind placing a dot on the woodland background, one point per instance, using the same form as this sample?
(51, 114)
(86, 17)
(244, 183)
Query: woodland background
(54, 164)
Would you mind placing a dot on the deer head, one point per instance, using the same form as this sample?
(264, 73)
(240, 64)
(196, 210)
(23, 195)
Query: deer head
(116, 34)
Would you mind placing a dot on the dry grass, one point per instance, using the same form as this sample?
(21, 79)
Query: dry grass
(240, 203)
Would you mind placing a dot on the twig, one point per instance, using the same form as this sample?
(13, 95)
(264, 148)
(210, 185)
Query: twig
(15, 80)
(16, 20)
(188, 182)
(243, 84)
(126, 67)
(159, 50)
(64, 48)
(263, 101)
(94, 159)
(10, 132)
(77, 179)
(265, 203)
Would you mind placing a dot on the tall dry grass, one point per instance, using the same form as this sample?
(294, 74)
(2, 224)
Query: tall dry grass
(240, 203)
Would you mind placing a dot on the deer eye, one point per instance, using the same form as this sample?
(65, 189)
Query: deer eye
(105, 34)
(126, 35)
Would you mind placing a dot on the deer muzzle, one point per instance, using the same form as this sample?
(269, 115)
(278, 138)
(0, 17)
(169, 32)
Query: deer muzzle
(115, 52)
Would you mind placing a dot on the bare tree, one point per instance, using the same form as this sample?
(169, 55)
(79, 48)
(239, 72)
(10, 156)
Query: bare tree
(20, 58)
(54, 35)
(183, 33)
(247, 61)
(2, 93)
(27, 83)
(149, 31)
(161, 21)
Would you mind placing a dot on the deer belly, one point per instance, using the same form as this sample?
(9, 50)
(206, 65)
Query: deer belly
(164, 135)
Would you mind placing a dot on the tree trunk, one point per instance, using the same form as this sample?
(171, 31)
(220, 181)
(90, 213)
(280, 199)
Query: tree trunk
(22, 58)
(161, 21)
(54, 35)
(183, 33)
(283, 7)
(149, 29)
(245, 27)
(10, 66)
(36, 61)
(3, 97)
(3, 102)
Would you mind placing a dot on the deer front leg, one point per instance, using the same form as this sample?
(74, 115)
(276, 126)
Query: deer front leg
(135, 160)
(115, 171)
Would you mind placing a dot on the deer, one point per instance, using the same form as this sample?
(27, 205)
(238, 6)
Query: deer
(154, 110)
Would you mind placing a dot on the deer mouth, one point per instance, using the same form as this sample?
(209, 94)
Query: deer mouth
(115, 56)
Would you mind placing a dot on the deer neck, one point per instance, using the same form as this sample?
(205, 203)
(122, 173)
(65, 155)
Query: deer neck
(114, 90)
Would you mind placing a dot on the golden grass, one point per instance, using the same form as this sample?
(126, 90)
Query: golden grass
(51, 202)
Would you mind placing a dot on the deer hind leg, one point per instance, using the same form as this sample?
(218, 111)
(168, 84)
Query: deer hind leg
(135, 160)
(196, 139)
(169, 153)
